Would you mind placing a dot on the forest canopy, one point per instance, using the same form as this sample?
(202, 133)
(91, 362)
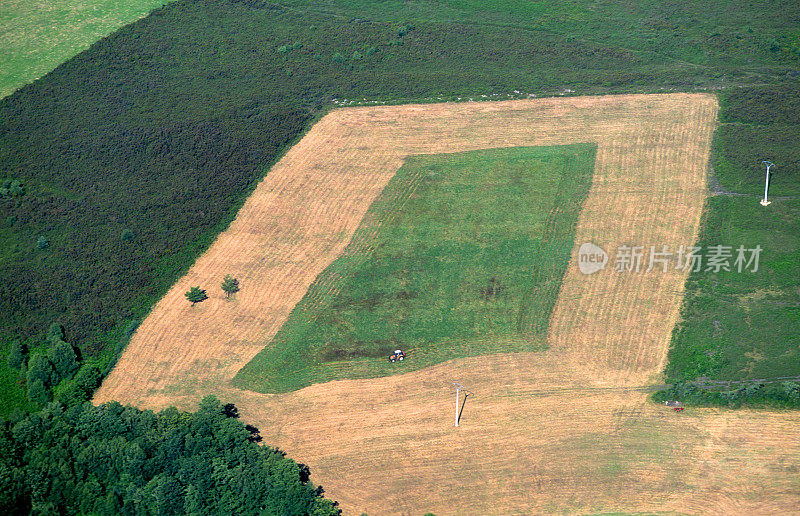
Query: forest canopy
(110, 459)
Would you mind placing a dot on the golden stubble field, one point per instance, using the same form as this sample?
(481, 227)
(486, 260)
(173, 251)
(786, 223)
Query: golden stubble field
(567, 430)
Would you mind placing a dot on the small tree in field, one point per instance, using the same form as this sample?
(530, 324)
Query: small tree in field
(195, 295)
(230, 285)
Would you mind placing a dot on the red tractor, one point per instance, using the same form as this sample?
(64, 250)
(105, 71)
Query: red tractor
(677, 406)
(398, 355)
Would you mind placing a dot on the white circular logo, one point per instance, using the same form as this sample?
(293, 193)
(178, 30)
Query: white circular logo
(591, 258)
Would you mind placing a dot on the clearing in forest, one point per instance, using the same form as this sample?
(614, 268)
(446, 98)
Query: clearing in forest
(568, 429)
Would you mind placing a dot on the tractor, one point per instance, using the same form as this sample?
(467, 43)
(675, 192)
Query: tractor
(676, 405)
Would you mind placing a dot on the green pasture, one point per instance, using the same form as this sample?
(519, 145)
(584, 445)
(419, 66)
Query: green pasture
(743, 325)
(746, 325)
(467, 260)
(38, 36)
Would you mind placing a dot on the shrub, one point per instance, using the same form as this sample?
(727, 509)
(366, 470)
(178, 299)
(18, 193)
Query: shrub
(684, 390)
(230, 285)
(130, 329)
(195, 295)
(752, 389)
(791, 390)
(16, 189)
(405, 29)
(42, 242)
(55, 332)
(64, 360)
(16, 354)
(12, 188)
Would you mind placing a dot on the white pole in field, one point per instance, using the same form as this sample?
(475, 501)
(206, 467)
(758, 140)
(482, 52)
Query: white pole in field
(764, 201)
(460, 388)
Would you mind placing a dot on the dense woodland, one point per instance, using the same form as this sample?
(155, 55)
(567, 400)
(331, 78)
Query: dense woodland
(110, 459)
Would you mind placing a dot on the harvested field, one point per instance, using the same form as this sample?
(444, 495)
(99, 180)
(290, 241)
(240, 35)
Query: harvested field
(565, 430)
(462, 254)
(533, 439)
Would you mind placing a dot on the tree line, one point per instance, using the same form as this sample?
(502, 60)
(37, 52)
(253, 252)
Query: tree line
(110, 459)
(54, 369)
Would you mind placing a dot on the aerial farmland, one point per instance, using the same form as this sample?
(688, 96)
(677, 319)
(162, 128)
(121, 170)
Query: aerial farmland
(400, 258)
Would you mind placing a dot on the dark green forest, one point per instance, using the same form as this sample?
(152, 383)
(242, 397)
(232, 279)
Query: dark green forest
(110, 459)
(121, 166)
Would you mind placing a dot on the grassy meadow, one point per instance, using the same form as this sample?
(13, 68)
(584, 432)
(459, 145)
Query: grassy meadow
(746, 326)
(461, 255)
(39, 36)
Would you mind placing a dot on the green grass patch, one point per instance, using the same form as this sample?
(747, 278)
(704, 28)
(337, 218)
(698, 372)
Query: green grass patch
(743, 325)
(746, 326)
(461, 255)
(39, 36)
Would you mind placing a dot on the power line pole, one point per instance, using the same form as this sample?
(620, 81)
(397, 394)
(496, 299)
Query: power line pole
(764, 201)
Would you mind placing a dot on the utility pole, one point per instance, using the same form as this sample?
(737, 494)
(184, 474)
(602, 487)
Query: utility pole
(764, 201)
(460, 388)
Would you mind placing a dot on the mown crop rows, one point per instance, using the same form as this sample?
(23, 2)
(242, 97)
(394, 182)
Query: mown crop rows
(568, 429)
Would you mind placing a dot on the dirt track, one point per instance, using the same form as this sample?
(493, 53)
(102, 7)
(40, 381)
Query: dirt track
(565, 430)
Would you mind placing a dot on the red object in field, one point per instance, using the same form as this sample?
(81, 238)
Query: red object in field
(678, 409)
